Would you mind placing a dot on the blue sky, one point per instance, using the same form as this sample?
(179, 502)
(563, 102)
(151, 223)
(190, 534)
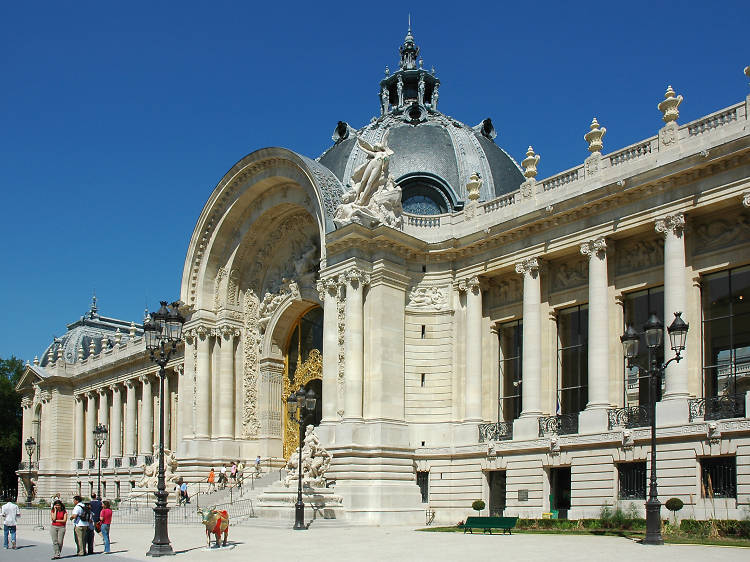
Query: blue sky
(117, 120)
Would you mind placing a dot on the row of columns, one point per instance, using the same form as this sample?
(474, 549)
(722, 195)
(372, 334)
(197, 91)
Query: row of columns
(676, 380)
(214, 391)
(87, 416)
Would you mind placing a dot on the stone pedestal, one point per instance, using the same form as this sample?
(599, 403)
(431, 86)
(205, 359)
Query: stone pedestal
(593, 420)
(675, 411)
(278, 501)
(526, 428)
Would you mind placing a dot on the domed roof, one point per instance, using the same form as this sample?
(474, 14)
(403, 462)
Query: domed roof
(426, 143)
(102, 331)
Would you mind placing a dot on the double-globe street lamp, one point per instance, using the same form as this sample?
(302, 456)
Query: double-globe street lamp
(100, 438)
(30, 445)
(162, 333)
(301, 407)
(653, 332)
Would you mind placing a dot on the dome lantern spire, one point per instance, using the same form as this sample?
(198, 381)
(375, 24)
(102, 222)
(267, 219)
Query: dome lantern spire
(409, 51)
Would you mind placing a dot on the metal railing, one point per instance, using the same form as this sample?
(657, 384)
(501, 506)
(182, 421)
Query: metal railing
(717, 407)
(562, 424)
(629, 417)
(498, 431)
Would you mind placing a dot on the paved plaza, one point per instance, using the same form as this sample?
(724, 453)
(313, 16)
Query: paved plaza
(265, 540)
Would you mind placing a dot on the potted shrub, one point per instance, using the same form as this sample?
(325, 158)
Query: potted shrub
(478, 506)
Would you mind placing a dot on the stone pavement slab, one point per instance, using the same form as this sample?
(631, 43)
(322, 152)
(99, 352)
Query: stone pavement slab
(263, 540)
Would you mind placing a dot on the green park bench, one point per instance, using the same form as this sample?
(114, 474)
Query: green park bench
(489, 523)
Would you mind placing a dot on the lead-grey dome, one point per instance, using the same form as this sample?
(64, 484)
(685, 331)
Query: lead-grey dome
(433, 153)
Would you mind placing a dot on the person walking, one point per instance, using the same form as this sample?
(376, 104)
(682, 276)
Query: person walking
(106, 518)
(79, 517)
(223, 476)
(233, 472)
(59, 518)
(10, 513)
(211, 480)
(184, 492)
(90, 531)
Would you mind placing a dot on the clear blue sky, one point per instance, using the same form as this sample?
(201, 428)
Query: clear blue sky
(118, 119)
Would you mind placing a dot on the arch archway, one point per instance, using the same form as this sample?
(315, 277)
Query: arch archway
(303, 368)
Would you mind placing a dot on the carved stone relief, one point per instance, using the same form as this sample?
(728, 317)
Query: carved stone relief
(428, 297)
(716, 233)
(637, 255)
(506, 291)
(251, 347)
(341, 323)
(569, 273)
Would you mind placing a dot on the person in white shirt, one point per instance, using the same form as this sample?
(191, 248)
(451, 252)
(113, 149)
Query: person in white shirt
(81, 525)
(10, 513)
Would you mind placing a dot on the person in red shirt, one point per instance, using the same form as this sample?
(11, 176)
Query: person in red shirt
(106, 518)
(57, 530)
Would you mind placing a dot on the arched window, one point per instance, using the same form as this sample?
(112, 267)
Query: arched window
(422, 195)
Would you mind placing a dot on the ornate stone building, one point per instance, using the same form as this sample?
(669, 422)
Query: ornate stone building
(459, 317)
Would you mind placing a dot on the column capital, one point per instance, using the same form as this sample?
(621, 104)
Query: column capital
(129, 383)
(529, 265)
(328, 287)
(27, 401)
(594, 247)
(671, 224)
(202, 331)
(91, 394)
(102, 391)
(746, 199)
(227, 331)
(470, 284)
(115, 387)
(144, 379)
(356, 275)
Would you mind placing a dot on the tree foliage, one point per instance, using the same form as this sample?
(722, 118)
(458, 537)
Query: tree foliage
(10, 420)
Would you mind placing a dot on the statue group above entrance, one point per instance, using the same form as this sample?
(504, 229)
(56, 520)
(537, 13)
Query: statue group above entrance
(373, 196)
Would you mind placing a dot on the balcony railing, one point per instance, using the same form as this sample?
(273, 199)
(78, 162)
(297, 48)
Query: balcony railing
(79, 465)
(148, 459)
(629, 417)
(562, 424)
(718, 407)
(105, 463)
(25, 465)
(92, 464)
(118, 462)
(499, 431)
(132, 461)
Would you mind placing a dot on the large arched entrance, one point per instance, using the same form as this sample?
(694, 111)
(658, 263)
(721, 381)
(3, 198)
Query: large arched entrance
(303, 368)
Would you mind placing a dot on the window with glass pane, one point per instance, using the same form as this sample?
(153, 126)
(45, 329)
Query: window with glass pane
(572, 359)
(638, 306)
(510, 336)
(423, 481)
(726, 332)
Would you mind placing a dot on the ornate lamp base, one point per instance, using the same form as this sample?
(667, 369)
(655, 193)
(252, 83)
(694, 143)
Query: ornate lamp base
(653, 522)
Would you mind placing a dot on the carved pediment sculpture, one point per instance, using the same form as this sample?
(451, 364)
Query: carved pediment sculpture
(373, 198)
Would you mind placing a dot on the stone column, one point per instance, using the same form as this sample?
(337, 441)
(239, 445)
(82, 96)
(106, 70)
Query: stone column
(595, 416)
(104, 418)
(354, 343)
(526, 427)
(146, 446)
(675, 289)
(203, 380)
(328, 292)
(473, 337)
(115, 430)
(185, 389)
(131, 410)
(90, 424)
(226, 384)
(80, 437)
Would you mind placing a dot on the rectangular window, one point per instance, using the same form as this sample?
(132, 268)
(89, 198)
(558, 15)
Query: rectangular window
(726, 332)
(572, 359)
(632, 477)
(421, 383)
(510, 337)
(423, 481)
(423, 331)
(638, 306)
(719, 477)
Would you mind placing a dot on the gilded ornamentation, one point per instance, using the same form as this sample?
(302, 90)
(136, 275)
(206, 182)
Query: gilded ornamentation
(474, 186)
(308, 370)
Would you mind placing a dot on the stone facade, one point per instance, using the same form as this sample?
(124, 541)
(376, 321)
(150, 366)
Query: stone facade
(423, 389)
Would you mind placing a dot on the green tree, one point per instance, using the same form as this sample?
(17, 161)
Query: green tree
(10, 420)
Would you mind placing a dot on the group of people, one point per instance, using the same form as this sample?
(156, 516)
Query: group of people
(232, 472)
(88, 517)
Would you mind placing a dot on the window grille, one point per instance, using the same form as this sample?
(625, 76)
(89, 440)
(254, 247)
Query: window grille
(632, 477)
(423, 481)
(719, 477)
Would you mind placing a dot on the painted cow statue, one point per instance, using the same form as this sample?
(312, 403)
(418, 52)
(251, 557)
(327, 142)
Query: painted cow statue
(216, 523)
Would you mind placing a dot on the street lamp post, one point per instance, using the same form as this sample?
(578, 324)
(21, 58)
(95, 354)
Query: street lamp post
(30, 445)
(162, 333)
(300, 406)
(100, 438)
(653, 332)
